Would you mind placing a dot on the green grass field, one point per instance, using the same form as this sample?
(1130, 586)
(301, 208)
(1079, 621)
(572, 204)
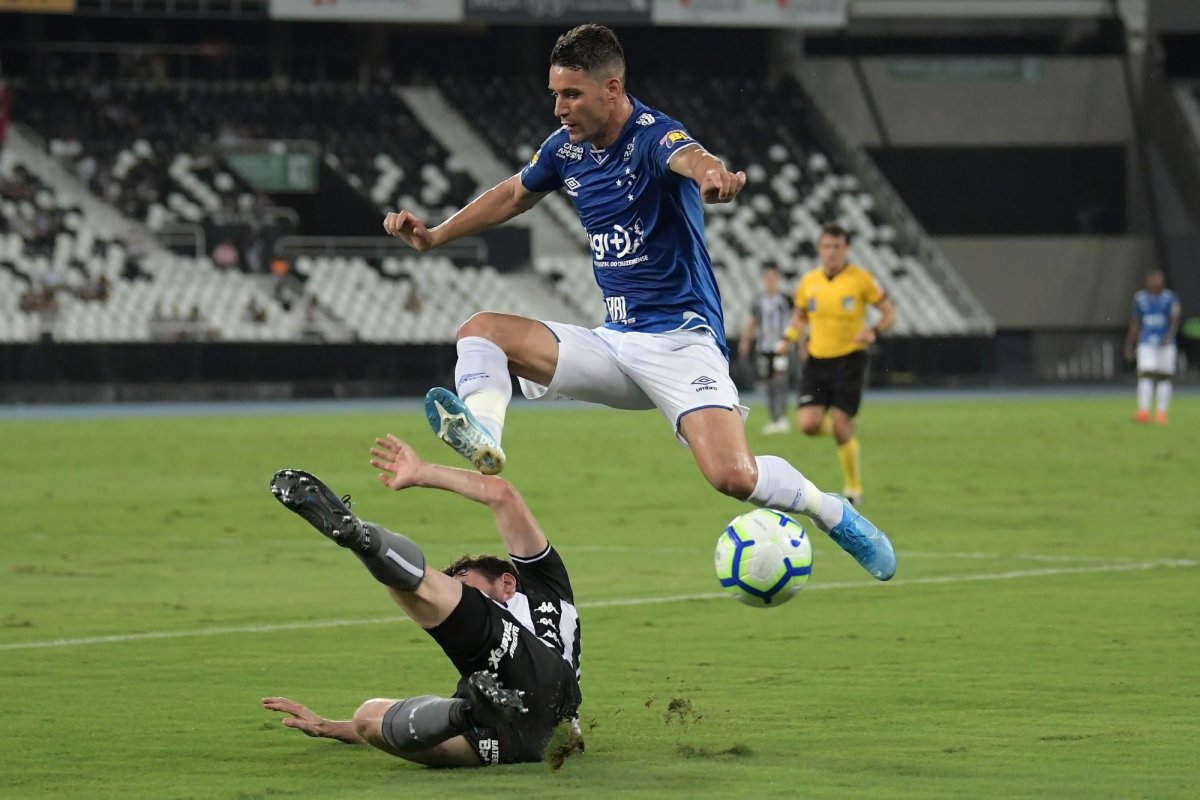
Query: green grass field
(1039, 640)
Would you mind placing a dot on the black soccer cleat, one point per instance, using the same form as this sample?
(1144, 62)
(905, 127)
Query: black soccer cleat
(307, 496)
(490, 703)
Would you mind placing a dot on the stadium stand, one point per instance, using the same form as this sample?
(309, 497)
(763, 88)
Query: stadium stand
(153, 149)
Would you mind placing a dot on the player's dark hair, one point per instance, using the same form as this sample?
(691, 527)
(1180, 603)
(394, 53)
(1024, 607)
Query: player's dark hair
(589, 48)
(836, 231)
(492, 567)
(770, 266)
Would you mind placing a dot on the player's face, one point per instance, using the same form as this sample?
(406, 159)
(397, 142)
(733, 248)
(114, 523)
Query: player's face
(480, 581)
(583, 104)
(832, 250)
(1155, 282)
(771, 281)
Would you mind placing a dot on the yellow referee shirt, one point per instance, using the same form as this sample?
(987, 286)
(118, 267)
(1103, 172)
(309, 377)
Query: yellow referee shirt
(837, 309)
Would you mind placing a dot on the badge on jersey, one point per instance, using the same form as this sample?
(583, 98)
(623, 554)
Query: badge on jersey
(672, 138)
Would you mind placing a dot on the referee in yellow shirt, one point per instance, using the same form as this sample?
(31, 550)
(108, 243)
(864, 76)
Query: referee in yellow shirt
(831, 306)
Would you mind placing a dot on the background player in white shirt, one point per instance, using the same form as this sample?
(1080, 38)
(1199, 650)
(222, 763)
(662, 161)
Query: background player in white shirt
(1152, 327)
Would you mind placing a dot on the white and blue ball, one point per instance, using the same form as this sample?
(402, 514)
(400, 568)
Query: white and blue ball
(764, 558)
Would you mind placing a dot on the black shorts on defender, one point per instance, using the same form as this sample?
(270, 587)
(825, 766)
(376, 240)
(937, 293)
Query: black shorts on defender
(480, 635)
(834, 382)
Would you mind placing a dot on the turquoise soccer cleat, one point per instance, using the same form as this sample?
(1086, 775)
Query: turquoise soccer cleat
(455, 425)
(870, 546)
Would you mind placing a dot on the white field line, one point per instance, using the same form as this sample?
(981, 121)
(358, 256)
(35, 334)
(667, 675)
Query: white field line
(1054, 559)
(614, 603)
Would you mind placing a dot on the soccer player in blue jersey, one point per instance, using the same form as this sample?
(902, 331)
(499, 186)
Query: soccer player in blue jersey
(638, 180)
(1152, 327)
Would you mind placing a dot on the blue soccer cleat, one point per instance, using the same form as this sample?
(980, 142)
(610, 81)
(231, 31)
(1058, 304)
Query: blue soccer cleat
(455, 425)
(859, 537)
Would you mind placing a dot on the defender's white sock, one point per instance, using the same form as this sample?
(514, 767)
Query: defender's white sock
(1163, 396)
(781, 487)
(1145, 392)
(482, 382)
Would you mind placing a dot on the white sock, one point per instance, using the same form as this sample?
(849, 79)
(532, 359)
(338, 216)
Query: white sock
(482, 382)
(1145, 392)
(1164, 396)
(781, 487)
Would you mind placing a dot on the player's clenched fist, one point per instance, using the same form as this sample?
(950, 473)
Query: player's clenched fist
(408, 226)
(719, 185)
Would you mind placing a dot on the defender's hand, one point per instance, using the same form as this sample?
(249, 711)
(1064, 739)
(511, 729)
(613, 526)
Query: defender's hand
(399, 462)
(300, 717)
(409, 228)
(719, 185)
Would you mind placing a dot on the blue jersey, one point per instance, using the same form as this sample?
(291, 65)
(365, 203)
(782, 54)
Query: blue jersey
(1153, 312)
(645, 224)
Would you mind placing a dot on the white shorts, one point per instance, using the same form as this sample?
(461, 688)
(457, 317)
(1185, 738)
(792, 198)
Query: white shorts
(677, 373)
(1156, 358)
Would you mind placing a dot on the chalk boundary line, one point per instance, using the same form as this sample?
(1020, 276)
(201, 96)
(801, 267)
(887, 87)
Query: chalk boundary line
(613, 603)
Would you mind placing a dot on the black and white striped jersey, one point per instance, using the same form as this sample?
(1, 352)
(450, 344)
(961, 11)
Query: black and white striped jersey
(545, 603)
(773, 313)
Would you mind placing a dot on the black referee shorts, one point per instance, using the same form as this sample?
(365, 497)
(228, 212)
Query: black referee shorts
(834, 382)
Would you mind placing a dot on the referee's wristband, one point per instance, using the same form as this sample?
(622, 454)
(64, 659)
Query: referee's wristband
(791, 334)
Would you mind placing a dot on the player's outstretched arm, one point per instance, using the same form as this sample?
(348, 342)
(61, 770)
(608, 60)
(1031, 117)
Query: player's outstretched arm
(403, 468)
(303, 719)
(498, 204)
(717, 184)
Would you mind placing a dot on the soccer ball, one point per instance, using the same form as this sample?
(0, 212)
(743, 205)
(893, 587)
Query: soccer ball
(764, 558)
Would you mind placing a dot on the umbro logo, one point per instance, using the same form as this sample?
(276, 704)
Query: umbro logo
(572, 186)
(704, 384)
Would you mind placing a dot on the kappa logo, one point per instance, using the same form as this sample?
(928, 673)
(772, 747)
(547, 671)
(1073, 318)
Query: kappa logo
(645, 119)
(704, 384)
(546, 608)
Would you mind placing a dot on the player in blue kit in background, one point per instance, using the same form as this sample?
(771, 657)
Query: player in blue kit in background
(1152, 327)
(638, 180)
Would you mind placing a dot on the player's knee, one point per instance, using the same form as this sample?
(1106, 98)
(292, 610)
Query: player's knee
(809, 427)
(368, 718)
(482, 324)
(735, 480)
